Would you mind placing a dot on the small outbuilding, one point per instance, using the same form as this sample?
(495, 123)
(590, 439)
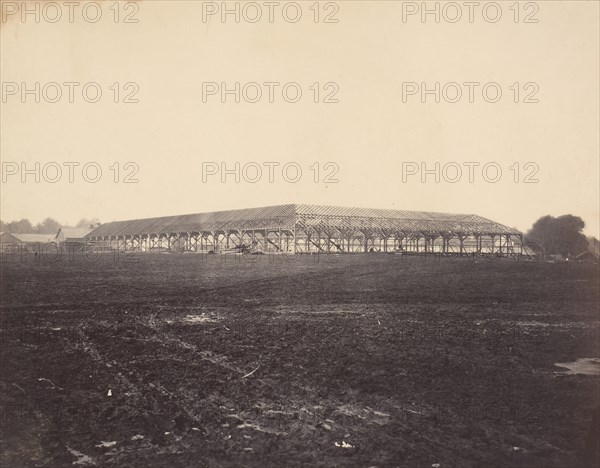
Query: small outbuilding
(71, 238)
(30, 242)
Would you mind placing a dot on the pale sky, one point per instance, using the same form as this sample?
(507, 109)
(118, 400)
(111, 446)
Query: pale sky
(370, 135)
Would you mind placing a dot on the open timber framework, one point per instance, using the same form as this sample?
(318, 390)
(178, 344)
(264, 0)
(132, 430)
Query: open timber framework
(311, 229)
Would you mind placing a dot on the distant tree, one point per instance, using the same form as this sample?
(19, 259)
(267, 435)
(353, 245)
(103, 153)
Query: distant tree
(561, 235)
(84, 222)
(594, 245)
(3, 226)
(48, 226)
(22, 226)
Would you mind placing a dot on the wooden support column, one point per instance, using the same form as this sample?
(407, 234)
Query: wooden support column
(295, 240)
(279, 235)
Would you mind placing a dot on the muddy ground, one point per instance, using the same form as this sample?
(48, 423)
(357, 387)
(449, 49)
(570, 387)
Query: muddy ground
(175, 360)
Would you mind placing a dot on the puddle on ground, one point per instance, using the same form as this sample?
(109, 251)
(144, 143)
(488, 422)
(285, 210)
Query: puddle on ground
(588, 366)
(557, 325)
(199, 319)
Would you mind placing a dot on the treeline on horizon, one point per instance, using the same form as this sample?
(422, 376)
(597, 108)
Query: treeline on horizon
(47, 226)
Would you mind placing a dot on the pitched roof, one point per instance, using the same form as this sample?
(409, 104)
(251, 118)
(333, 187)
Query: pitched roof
(7, 237)
(33, 238)
(282, 215)
(73, 232)
(288, 216)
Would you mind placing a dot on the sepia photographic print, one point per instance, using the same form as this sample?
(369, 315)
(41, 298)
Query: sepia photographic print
(311, 233)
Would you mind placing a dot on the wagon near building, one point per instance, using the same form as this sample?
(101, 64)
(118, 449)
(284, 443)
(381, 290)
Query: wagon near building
(313, 229)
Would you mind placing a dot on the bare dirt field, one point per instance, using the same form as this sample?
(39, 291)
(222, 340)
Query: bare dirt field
(182, 360)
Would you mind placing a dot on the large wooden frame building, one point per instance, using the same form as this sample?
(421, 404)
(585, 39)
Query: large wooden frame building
(311, 229)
